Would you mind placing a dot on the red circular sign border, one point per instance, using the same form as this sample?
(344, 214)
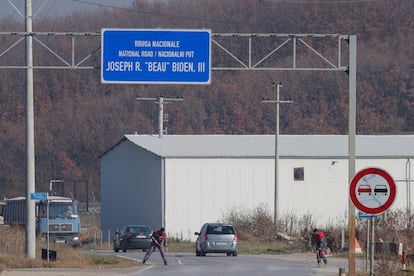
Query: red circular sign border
(354, 182)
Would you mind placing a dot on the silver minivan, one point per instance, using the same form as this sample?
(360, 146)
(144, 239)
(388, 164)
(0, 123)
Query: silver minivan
(216, 238)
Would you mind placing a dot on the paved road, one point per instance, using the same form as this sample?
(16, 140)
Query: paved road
(214, 264)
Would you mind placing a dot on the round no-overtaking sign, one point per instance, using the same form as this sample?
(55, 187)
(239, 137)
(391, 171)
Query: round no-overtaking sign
(372, 190)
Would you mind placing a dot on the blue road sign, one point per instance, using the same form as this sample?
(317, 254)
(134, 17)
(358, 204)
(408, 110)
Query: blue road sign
(365, 216)
(156, 56)
(38, 196)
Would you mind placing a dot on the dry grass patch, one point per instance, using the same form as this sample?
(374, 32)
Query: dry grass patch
(12, 254)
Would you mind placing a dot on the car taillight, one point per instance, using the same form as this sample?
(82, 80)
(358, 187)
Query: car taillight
(129, 236)
(235, 237)
(205, 236)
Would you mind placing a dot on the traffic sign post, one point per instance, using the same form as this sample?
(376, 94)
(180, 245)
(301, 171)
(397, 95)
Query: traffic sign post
(156, 56)
(372, 191)
(43, 196)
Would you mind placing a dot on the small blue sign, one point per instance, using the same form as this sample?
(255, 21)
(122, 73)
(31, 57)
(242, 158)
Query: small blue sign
(38, 196)
(363, 215)
(156, 56)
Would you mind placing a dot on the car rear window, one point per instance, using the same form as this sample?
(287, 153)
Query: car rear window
(220, 230)
(134, 230)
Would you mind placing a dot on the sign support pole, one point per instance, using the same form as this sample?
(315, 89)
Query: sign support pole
(372, 191)
(367, 253)
(30, 151)
(48, 242)
(351, 151)
(372, 248)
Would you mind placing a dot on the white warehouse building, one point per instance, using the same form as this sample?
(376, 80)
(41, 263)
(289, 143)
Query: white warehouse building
(183, 181)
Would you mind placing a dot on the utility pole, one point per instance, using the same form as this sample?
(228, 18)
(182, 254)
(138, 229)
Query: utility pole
(276, 86)
(30, 151)
(161, 101)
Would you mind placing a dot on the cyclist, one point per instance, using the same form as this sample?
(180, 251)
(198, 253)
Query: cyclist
(321, 245)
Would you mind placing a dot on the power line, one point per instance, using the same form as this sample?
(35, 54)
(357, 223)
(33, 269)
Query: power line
(323, 1)
(185, 18)
(101, 5)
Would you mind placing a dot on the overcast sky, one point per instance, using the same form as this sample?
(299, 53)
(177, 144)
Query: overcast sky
(54, 8)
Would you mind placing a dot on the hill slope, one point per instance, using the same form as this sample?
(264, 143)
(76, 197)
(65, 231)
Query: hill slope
(77, 118)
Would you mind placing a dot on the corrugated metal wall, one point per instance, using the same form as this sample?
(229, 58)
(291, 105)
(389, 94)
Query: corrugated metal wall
(130, 188)
(205, 190)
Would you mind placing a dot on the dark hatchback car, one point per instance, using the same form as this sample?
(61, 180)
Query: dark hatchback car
(132, 237)
(216, 238)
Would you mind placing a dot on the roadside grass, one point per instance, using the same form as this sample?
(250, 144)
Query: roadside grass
(270, 248)
(12, 254)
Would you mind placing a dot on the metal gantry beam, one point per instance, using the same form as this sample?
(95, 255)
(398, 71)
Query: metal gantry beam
(62, 61)
(266, 60)
(285, 42)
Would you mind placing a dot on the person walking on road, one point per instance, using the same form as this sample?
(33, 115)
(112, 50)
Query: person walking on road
(159, 240)
(321, 245)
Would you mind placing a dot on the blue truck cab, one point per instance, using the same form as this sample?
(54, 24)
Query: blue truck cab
(57, 218)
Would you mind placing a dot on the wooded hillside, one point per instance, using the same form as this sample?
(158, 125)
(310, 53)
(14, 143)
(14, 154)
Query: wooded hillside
(77, 118)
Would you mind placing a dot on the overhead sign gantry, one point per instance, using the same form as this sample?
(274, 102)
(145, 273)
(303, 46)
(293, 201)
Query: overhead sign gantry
(346, 54)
